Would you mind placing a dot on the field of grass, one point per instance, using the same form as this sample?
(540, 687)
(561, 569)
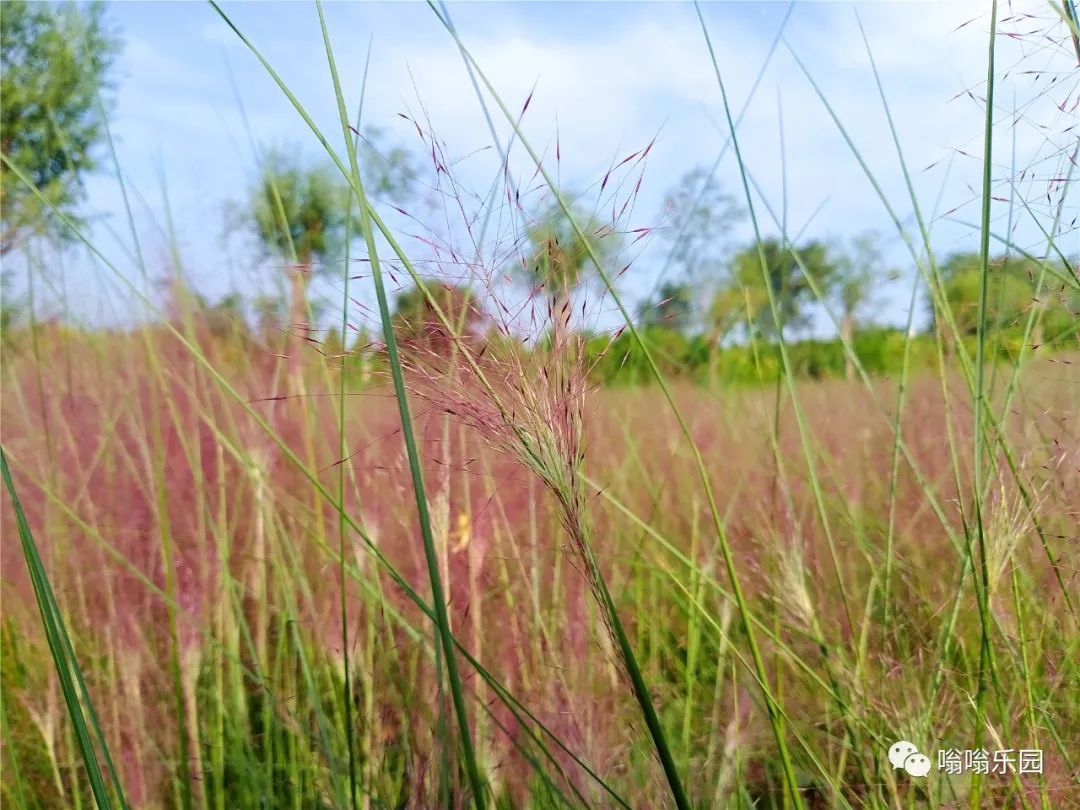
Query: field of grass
(468, 576)
(228, 657)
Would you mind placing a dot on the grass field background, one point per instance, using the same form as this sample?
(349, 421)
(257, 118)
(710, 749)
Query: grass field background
(250, 569)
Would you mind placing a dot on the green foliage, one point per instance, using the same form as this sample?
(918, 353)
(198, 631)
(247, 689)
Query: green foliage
(414, 316)
(55, 64)
(388, 171)
(860, 272)
(619, 361)
(418, 324)
(672, 307)
(304, 212)
(725, 312)
(1012, 285)
(698, 215)
(300, 211)
(701, 215)
(1008, 293)
(748, 288)
(557, 256)
(30, 779)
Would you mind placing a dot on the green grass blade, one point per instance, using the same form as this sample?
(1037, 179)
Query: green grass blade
(218, 378)
(982, 586)
(64, 662)
(416, 472)
(346, 690)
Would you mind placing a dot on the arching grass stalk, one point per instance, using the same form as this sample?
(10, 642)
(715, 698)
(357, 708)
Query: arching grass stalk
(648, 711)
(515, 706)
(982, 586)
(346, 689)
(72, 685)
(369, 216)
(442, 618)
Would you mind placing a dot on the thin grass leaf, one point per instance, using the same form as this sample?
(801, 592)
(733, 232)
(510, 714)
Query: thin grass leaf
(416, 472)
(72, 685)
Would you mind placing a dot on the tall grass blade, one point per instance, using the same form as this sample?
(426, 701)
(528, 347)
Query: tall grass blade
(508, 699)
(415, 470)
(64, 662)
(982, 586)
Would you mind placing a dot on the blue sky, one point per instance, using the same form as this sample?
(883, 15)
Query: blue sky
(608, 77)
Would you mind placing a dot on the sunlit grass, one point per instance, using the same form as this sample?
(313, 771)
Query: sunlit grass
(476, 579)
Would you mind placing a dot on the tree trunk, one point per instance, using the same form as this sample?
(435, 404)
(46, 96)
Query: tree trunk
(297, 327)
(847, 332)
(713, 337)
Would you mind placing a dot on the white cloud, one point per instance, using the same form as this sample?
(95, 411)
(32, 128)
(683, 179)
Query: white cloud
(610, 88)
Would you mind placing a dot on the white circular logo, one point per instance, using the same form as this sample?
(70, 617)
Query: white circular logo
(904, 754)
(901, 751)
(917, 765)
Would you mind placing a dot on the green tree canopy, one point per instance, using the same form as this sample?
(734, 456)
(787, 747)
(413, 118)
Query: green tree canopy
(670, 308)
(699, 216)
(459, 305)
(301, 211)
(558, 257)
(860, 274)
(1010, 295)
(748, 287)
(417, 322)
(55, 63)
(304, 212)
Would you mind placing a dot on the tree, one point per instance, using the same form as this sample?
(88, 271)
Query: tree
(748, 287)
(671, 308)
(558, 257)
(860, 272)
(725, 312)
(1008, 295)
(418, 324)
(700, 215)
(1012, 283)
(55, 65)
(302, 211)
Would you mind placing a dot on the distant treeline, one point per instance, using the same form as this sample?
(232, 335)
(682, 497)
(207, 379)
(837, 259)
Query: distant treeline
(880, 351)
(1025, 306)
(619, 360)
